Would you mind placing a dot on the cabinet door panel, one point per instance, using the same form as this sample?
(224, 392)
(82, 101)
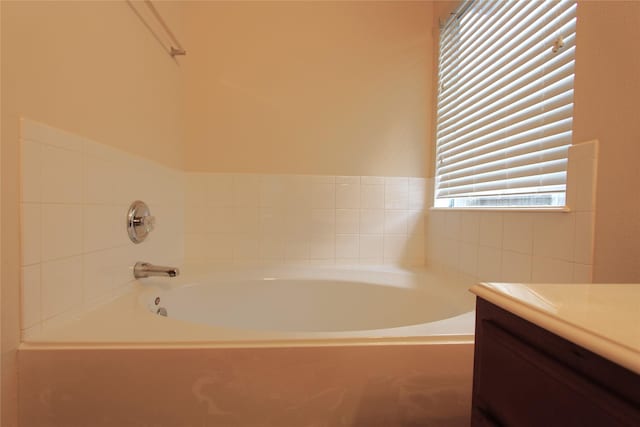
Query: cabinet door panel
(516, 385)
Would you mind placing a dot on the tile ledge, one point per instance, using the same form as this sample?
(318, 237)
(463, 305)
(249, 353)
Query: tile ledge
(564, 209)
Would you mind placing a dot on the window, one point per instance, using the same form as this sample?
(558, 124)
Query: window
(505, 104)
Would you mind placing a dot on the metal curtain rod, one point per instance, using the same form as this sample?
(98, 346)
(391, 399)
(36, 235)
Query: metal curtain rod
(174, 47)
(174, 50)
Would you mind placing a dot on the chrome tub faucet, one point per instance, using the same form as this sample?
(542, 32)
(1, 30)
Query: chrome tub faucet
(145, 269)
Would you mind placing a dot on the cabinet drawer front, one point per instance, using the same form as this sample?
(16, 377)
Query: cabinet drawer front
(607, 375)
(517, 385)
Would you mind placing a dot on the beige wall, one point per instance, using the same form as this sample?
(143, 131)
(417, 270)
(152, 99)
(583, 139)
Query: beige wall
(92, 68)
(87, 67)
(607, 92)
(336, 88)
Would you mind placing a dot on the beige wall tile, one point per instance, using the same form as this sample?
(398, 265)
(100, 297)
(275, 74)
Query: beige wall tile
(31, 163)
(554, 235)
(61, 286)
(31, 296)
(61, 175)
(516, 267)
(61, 231)
(550, 270)
(518, 232)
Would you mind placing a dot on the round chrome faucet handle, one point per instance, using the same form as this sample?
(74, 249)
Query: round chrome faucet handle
(140, 222)
(149, 223)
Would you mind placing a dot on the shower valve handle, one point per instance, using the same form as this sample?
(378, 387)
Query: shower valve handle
(147, 222)
(140, 222)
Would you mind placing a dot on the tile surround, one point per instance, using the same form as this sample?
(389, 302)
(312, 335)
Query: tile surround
(75, 254)
(307, 218)
(75, 193)
(74, 198)
(521, 246)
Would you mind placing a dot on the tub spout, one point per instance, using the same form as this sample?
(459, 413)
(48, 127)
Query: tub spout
(144, 269)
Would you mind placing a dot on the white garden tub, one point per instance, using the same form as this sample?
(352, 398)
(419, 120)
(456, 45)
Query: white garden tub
(281, 347)
(245, 304)
(317, 301)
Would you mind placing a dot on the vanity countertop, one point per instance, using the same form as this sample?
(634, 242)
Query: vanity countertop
(603, 318)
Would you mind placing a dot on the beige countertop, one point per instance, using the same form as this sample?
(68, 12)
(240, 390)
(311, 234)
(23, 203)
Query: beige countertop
(603, 318)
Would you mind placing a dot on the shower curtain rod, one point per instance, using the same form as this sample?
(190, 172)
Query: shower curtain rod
(175, 48)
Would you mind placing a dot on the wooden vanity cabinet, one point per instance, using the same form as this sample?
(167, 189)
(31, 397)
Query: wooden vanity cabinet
(525, 376)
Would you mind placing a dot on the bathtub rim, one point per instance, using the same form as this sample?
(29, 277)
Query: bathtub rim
(77, 329)
(399, 341)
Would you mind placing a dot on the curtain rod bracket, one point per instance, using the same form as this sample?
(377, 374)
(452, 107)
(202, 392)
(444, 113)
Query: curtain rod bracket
(172, 46)
(177, 52)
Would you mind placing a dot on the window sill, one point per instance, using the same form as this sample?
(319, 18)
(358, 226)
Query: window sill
(564, 209)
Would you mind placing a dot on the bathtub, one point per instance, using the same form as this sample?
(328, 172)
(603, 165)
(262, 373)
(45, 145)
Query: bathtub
(267, 346)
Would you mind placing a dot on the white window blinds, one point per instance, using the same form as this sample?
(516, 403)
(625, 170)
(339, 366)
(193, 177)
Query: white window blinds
(505, 104)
